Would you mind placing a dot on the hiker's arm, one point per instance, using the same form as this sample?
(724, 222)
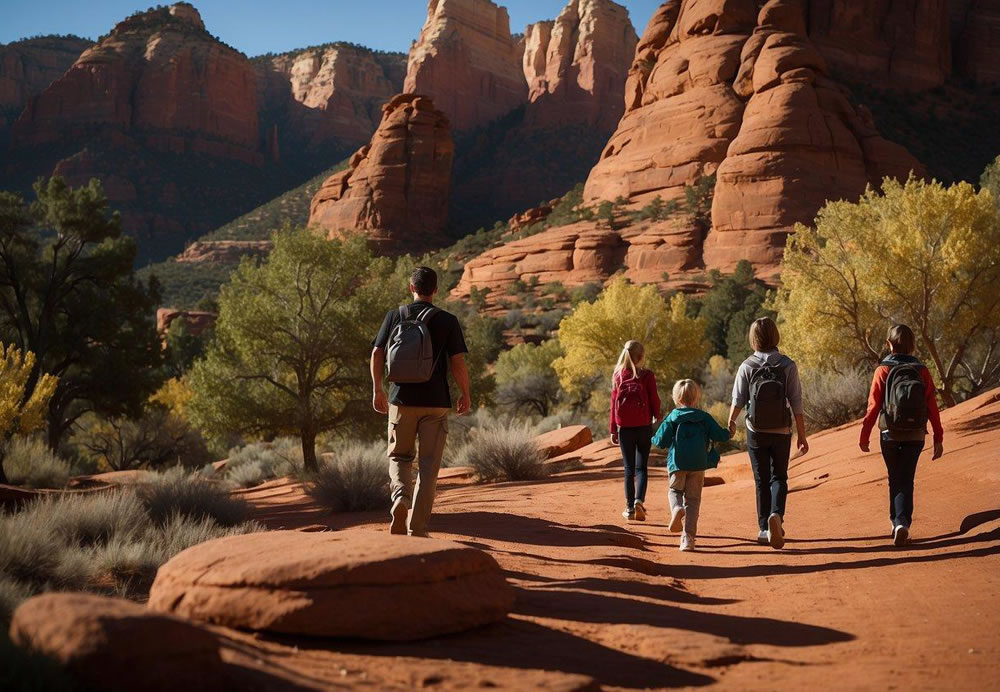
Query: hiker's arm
(800, 433)
(379, 401)
(874, 408)
(664, 437)
(933, 414)
(716, 432)
(794, 393)
(734, 415)
(741, 393)
(460, 373)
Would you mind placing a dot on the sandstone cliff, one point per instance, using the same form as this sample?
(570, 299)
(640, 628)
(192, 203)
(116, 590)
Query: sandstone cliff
(975, 37)
(576, 66)
(223, 251)
(27, 67)
(466, 60)
(333, 92)
(395, 191)
(718, 88)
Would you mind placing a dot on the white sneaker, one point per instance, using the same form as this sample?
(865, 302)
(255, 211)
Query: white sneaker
(687, 543)
(762, 538)
(628, 514)
(639, 511)
(399, 512)
(677, 520)
(900, 536)
(775, 532)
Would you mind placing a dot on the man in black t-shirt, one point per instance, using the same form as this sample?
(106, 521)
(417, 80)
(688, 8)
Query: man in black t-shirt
(419, 410)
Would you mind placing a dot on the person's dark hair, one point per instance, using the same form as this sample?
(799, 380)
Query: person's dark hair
(764, 335)
(424, 280)
(902, 339)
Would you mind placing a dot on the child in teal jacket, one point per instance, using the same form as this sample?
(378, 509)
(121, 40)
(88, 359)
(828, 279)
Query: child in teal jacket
(688, 433)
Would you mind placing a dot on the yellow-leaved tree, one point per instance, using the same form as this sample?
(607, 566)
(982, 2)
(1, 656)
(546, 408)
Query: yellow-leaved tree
(918, 253)
(20, 416)
(593, 336)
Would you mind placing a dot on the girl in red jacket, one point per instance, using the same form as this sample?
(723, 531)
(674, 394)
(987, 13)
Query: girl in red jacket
(903, 401)
(635, 407)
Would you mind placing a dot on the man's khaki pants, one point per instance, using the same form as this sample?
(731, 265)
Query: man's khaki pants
(406, 425)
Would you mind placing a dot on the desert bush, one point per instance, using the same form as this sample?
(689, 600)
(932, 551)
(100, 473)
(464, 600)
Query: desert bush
(717, 381)
(31, 463)
(176, 492)
(831, 399)
(95, 518)
(33, 554)
(353, 477)
(503, 453)
(155, 440)
(526, 380)
(255, 463)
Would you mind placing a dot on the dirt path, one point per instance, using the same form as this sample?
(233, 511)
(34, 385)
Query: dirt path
(619, 606)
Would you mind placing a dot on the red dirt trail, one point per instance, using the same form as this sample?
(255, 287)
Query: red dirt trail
(605, 604)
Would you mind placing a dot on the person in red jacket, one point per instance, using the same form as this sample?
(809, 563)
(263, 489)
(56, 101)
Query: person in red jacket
(903, 401)
(635, 407)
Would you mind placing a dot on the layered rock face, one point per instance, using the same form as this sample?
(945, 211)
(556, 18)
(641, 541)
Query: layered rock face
(328, 93)
(28, 67)
(466, 60)
(720, 88)
(576, 66)
(139, 80)
(395, 190)
(976, 39)
(223, 251)
(887, 43)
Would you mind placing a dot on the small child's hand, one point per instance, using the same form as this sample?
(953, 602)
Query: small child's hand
(938, 450)
(614, 438)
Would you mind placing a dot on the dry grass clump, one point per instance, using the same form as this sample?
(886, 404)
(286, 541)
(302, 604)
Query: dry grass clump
(29, 462)
(832, 399)
(110, 542)
(353, 477)
(503, 453)
(256, 463)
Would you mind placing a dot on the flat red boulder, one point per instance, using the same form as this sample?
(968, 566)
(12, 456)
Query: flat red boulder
(357, 584)
(564, 440)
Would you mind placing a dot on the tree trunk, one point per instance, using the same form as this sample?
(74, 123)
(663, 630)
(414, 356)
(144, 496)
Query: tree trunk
(309, 450)
(3, 476)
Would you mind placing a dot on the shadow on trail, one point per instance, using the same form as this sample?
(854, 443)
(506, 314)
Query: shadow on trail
(516, 643)
(587, 606)
(514, 528)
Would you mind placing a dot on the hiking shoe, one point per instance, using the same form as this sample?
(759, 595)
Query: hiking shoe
(687, 543)
(399, 512)
(677, 520)
(628, 514)
(762, 538)
(639, 511)
(900, 536)
(775, 532)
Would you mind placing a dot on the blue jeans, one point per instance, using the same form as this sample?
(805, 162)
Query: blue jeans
(901, 463)
(769, 454)
(635, 444)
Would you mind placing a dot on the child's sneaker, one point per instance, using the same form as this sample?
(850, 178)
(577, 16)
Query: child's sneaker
(677, 520)
(900, 536)
(762, 538)
(775, 532)
(628, 514)
(687, 543)
(639, 511)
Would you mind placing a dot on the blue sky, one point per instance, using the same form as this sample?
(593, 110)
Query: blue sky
(260, 26)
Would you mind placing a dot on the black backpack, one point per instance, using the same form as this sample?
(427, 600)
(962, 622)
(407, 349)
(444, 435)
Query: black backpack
(768, 401)
(410, 355)
(904, 406)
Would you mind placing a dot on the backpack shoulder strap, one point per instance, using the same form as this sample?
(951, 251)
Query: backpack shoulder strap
(402, 313)
(427, 313)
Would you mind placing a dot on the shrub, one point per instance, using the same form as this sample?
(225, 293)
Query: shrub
(717, 381)
(33, 554)
(94, 518)
(263, 461)
(178, 493)
(832, 399)
(155, 440)
(352, 478)
(31, 463)
(504, 453)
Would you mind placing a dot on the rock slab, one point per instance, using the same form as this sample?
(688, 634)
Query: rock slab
(355, 584)
(564, 440)
(114, 644)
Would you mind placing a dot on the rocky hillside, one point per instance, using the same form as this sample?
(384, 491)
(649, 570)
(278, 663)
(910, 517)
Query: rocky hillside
(27, 67)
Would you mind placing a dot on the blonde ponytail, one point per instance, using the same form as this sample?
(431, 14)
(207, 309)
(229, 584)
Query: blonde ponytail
(631, 356)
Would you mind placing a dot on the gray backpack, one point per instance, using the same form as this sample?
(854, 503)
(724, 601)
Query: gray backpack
(410, 354)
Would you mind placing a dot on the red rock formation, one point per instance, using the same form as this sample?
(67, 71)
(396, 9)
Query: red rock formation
(330, 92)
(27, 67)
(197, 322)
(139, 80)
(396, 189)
(887, 43)
(223, 251)
(576, 65)
(976, 39)
(717, 87)
(466, 60)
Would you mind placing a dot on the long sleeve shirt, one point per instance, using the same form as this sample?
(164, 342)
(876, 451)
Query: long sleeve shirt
(648, 381)
(793, 386)
(876, 399)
